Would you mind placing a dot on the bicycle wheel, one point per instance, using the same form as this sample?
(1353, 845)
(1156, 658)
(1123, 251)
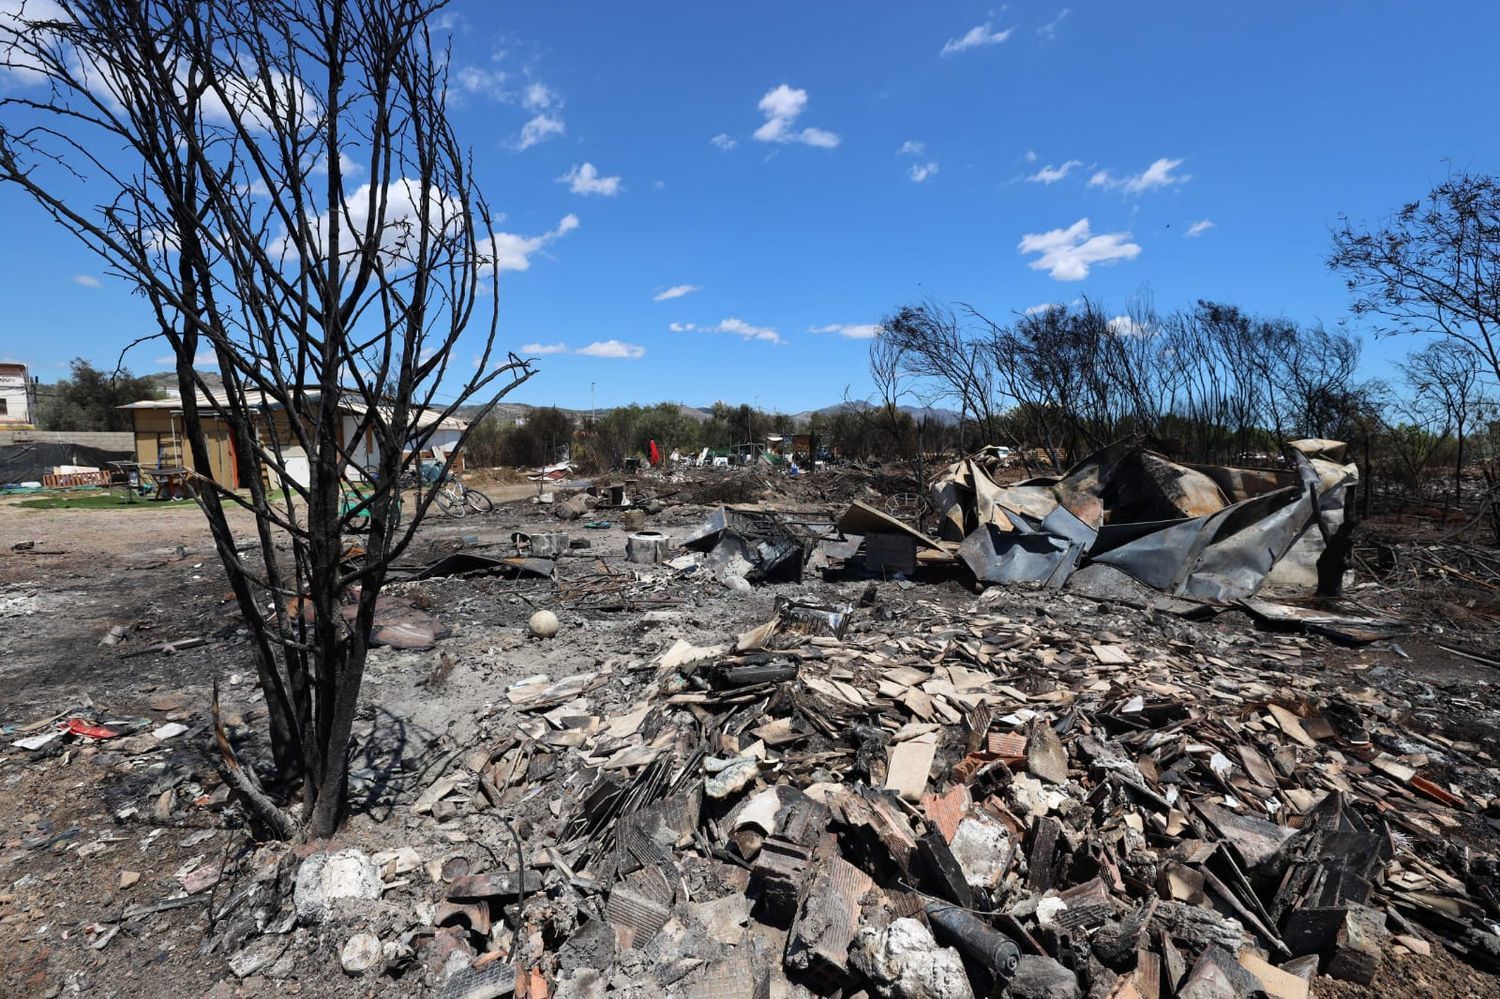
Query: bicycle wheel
(478, 501)
(448, 504)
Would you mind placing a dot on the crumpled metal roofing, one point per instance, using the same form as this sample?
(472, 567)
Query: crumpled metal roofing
(1204, 533)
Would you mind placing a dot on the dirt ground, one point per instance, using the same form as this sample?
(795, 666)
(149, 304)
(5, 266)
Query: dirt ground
(90, 834)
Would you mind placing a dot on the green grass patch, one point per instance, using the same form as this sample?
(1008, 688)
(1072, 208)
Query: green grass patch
(98, 501)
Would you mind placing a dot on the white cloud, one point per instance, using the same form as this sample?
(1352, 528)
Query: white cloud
(976, 37)
(612, 348)
(723, 141)
(731, 325)
(541, 101)
(511, 252)
(585, 179)
(919, 171)
(539, 97)
(539, 129)
(1067, 254)
(348, 166)
(676, 291)
(1040, 307)
(87, 280)
(1158, 174)
(481, 82)
(1049, 30)
(1031, 156)
(1198, 228)
(407, 207)
(1050, 174)
(599, 348)
(1126, 326)
(854, 331)
(782, 105)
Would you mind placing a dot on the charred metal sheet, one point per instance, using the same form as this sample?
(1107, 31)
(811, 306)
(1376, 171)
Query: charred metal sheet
(994, 556)
(1237, 565)
(463, 563)
(1351, 627)
(776, 545)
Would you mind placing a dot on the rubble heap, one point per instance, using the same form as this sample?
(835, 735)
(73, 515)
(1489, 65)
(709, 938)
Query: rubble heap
(923, 803)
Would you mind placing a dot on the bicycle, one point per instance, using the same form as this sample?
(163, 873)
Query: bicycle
(456, 499)
(359, 522)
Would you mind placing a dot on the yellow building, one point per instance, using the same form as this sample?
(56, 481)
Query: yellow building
(160, 441)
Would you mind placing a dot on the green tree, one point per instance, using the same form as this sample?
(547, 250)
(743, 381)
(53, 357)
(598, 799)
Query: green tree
(89, 399)
(538, 441)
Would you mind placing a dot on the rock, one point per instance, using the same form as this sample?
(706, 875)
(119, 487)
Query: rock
(1414, 944)
(723, 918)
(543, 624)
(1359, 946)
(394, 863)
(325, 879)
(128, 878)
(905, 962)
(733, 778)
(257, 957)
(581, 983)
(1031, 797)
(1043, 978)
(361, 953)
(982, 846)
(572, 508)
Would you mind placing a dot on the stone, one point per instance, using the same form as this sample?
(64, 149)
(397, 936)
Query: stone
(394, 863)
(257, 957)
(325, 879)
(905, 961)
(1414, 944)
(543, 624)
(1043, 978)
(361, 953)
(723, 918)
(982, 846)
(1359, 946)
(732, 779)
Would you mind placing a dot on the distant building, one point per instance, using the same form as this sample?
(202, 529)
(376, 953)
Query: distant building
(17, 395)
(160, 443)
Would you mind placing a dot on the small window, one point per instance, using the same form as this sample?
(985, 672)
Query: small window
(4, 407)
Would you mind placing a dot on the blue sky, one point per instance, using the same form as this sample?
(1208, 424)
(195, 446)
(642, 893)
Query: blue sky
(802, 169)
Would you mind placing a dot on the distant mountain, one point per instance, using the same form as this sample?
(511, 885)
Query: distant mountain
(859, 406)
(511, 410)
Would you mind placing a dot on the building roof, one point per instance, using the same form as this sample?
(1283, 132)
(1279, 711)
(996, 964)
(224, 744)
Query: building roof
(256, 400)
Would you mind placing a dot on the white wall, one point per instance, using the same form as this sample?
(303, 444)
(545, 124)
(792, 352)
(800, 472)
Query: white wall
(13, 390)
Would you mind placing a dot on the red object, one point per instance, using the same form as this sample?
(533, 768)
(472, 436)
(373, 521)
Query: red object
(77, 726)
(655, 453)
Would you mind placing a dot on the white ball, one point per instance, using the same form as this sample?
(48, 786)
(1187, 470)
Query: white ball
(543, 624)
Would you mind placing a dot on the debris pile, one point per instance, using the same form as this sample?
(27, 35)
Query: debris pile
(929, 801)
(1195, 532)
